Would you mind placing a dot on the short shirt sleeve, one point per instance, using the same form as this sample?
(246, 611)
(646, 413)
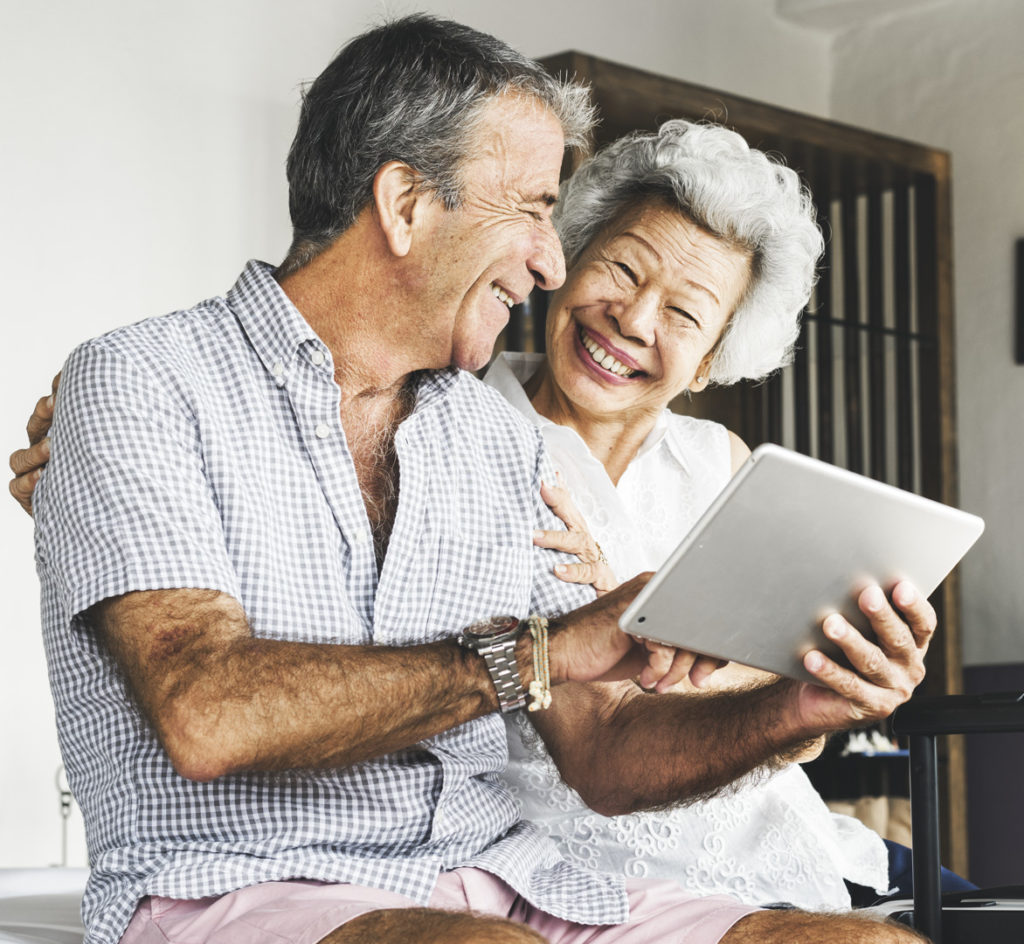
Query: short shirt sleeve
(124, 504)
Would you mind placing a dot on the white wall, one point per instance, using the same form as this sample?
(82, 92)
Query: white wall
(952, 76)
(142, 164)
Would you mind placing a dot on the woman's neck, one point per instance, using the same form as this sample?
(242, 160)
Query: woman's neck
(613, 439)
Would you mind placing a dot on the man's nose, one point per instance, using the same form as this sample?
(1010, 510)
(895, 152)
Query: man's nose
(546, 262)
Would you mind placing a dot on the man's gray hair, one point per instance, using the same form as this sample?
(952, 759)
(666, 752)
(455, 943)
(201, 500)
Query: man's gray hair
(733, 191)
(412, 90)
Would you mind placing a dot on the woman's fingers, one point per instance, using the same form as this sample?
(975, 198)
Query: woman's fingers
(571, 542)
(576, 539)
(26, 464)
(38, 424)
(598, 574)
(592, 566)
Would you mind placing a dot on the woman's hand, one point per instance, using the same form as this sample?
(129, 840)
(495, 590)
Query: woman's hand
(27, 464)
(593, 565)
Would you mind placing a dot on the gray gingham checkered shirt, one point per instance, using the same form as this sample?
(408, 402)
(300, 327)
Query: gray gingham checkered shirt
(204, 449)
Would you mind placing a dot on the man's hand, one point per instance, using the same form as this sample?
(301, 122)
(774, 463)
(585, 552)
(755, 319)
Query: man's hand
(887, 670)
(587, 645)
(27, 464)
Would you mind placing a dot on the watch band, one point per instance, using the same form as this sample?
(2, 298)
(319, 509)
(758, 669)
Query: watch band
(495, 640)
(501, 663)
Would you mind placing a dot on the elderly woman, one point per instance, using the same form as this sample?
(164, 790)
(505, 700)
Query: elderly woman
(690, 258)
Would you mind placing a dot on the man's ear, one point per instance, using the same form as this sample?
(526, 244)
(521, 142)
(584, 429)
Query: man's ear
(395, 197)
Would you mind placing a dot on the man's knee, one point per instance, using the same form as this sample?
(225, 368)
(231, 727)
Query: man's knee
(430, 926)
(802, 927)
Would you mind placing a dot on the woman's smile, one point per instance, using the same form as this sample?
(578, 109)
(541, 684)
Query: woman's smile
(603, 358)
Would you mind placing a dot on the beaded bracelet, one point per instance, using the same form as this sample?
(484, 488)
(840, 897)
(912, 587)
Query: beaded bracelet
(540, 687)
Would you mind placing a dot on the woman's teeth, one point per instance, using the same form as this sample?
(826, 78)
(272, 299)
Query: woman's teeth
(502, 295)
(602, 357)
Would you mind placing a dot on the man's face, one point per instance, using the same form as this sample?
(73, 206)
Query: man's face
(488, 254)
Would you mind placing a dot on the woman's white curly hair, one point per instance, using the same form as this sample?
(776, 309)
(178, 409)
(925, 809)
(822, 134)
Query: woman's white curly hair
(733, 191)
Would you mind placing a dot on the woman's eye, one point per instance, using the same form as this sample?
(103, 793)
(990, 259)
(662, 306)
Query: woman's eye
(627, 271)
(683, 315)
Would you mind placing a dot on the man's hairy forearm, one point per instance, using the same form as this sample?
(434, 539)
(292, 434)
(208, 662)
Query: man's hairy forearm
(222, 701)
(661, 750)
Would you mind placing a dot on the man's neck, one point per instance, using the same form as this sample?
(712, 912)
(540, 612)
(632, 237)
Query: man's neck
(344, 298)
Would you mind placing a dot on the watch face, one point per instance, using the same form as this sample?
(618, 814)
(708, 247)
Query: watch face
(498, 626)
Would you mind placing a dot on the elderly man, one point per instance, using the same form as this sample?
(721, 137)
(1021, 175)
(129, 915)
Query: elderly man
(288, 577)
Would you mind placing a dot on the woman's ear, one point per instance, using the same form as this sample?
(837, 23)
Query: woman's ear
(395, 197)
(702, 377)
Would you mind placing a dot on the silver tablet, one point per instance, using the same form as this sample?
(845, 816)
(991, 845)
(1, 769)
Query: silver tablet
(790, 540)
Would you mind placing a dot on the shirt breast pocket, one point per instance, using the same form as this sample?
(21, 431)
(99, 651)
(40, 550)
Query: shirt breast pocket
(477, 581)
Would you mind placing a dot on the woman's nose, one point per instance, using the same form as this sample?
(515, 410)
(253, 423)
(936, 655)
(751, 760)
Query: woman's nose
(636, 317)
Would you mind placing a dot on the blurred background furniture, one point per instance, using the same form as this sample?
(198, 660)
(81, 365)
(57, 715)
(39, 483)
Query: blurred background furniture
(41, 906)
(994, 915)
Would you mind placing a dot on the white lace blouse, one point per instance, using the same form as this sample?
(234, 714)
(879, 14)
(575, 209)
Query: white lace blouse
(770, 838)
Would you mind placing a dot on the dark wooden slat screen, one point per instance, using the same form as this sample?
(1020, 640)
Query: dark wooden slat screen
(823, 314)
(904, 372)
(852, 403)
(878, 424)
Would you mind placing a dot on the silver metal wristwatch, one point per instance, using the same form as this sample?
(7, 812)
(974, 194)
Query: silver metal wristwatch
(495, 640)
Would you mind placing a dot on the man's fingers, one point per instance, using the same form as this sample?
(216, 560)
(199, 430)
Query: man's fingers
(843, 682)
(703, 668)
(684, 664)
(661, 665)
(918, 613)
(883, 673)
(39, 422)
(866, 658)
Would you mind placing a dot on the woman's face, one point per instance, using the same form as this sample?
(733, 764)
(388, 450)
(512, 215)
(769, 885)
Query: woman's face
(641, 311)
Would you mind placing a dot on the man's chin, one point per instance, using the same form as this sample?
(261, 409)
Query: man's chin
(473, 360)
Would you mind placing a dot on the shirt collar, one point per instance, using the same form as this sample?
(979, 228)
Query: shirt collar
(433, 386)
(274, 326)
(276, 330)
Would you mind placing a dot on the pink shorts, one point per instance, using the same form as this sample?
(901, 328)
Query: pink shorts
(302, 912)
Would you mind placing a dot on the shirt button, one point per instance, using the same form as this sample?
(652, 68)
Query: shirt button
(278, 371)
(322, 431)
(317, 357)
